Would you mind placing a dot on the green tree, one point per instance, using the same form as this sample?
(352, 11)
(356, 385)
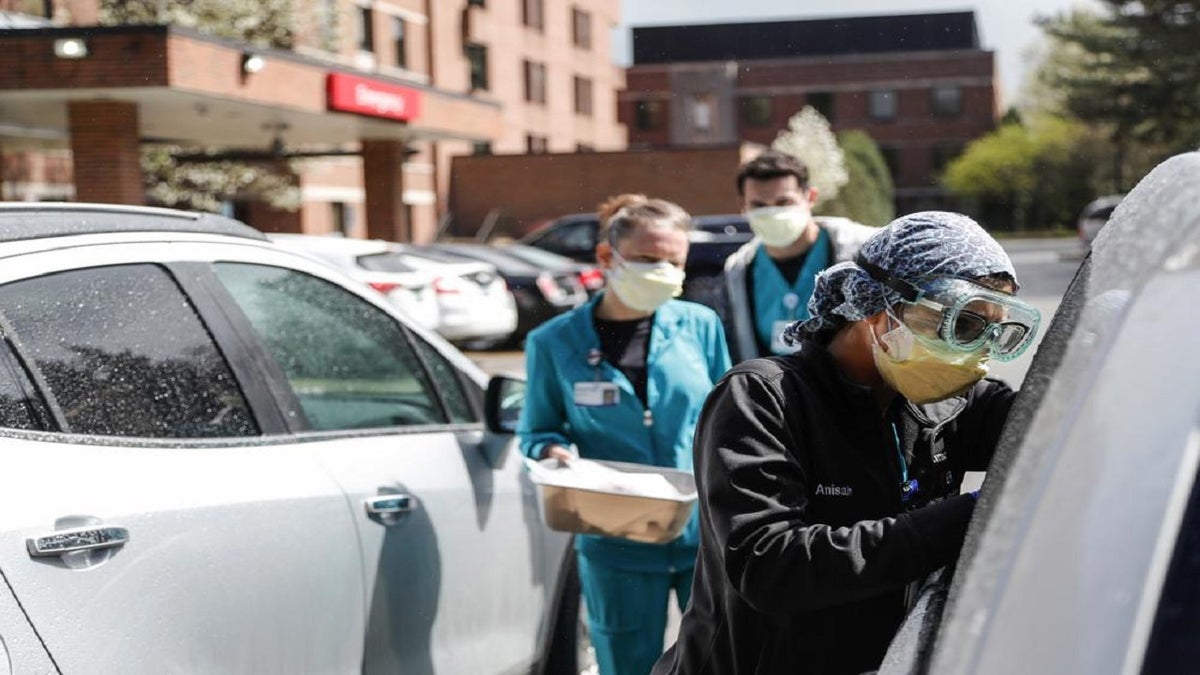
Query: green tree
(1133, 70)
(868, 195)
(1027, 176)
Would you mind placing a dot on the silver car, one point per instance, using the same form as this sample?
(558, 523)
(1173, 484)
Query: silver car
(470, 301)
(1084, 554)
(222, 457)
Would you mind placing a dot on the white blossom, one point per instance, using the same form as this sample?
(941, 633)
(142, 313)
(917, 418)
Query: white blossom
(809, 138)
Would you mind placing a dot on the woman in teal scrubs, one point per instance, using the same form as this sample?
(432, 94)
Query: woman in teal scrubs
(623, 378)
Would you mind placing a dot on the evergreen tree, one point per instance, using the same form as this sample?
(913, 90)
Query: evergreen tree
(868, 196)
(1134, 68)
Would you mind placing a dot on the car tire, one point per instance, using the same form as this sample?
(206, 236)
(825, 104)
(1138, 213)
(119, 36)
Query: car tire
(571, 650)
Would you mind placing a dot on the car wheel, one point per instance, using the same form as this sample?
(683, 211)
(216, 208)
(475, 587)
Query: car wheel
(571, 651)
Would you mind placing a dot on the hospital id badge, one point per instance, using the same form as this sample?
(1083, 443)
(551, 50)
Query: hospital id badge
(778, 346)
(596, 394)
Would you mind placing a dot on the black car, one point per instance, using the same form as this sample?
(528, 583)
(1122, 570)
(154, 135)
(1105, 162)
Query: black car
(712, 240)
(589, 275)
(541, 293)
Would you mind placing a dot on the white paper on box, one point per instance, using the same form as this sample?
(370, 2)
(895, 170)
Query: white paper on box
(587, 475)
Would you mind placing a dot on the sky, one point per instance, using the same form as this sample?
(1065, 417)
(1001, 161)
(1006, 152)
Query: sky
(1005, 26)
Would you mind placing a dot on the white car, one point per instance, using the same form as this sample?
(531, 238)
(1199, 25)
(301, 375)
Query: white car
(409, 290)
(462, 301)
(223, 457)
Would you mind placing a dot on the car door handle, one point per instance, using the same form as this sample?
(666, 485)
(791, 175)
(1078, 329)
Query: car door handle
(78, 539)
(390, 505)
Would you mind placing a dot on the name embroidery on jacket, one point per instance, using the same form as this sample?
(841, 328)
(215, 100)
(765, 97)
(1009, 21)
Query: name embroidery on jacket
(834, 490)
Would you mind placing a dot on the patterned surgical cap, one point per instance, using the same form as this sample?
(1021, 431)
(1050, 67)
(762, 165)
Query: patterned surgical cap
(915, 248)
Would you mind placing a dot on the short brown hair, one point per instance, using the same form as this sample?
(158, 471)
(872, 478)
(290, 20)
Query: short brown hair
(770, 165)
(622, 214)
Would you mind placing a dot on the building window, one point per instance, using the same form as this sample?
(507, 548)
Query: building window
(648, 115)
(584, 147)
(946, 101)
(882, 104)
(366, 29)
(481, 148)
(535, 144)
(891, 157)
(535, 82)
(581, 28)
(343, 218)
(476, 3)
(583, 95)
(42, 8)
(477, 58)
(700, 111)
(398, 42)
(757, 111)
(941, 158)
(531, 14)
(822, 102)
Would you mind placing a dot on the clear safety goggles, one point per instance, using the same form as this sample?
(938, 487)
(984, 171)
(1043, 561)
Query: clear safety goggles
(963, 315)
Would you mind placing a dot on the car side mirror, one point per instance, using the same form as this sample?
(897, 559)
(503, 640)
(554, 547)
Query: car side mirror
(503, 403)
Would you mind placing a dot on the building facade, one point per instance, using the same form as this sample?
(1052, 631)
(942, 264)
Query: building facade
(362, 102)
(919, 85)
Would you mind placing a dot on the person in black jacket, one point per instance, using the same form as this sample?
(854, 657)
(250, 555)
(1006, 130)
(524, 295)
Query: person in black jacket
(829, 479)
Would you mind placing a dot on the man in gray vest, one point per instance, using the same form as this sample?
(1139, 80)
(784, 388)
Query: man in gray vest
(768, 280)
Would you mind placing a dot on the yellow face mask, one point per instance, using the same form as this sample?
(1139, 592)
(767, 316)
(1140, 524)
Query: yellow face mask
(920, 372)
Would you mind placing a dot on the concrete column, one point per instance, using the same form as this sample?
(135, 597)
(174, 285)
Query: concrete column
(106, 152)
(383, 177)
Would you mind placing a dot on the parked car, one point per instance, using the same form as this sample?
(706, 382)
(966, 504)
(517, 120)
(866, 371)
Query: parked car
(410, 290)
(573, 236)
(473, 304)
(541, 293)
(1084, 552)
(222, 456)
(711, 241)
(1094, 216)
(590, 276)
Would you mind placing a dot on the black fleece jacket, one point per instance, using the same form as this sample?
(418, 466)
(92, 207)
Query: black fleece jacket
(806, 545)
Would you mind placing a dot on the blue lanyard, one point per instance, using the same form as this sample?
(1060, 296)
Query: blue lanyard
(900, 454)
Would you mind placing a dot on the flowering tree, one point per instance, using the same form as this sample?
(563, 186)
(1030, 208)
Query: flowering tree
(264, 23)
(809, 138)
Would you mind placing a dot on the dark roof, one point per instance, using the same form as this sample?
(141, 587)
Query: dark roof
(49, 219)
(810, 37)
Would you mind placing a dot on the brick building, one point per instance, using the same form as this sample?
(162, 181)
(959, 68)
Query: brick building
(920, 85)
(370, 101)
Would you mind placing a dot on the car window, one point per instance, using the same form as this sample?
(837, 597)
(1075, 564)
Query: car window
(385, 262)
(124, 354)
(1173, 647)
(572, 237)
(447, 382)
(348, 362)
(20, 405)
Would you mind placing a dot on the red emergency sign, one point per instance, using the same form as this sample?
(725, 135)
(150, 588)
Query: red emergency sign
(350, 93)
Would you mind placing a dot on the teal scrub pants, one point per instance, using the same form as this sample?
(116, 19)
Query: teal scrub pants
(627, 614)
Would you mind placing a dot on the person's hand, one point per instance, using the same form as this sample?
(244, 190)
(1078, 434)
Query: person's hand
(557, 452)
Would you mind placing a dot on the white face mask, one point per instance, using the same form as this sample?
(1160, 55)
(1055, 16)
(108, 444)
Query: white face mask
(779, 226)
(644, 286)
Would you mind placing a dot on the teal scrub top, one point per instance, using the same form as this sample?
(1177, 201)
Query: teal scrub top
(775, 300)
(686, 355)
